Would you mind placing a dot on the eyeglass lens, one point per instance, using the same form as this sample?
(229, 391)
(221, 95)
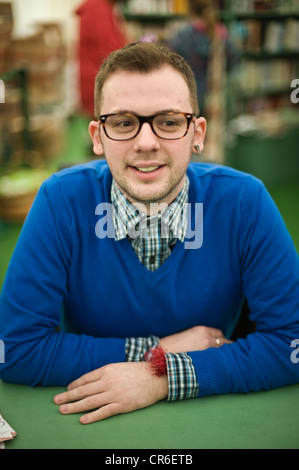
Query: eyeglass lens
(126, 126)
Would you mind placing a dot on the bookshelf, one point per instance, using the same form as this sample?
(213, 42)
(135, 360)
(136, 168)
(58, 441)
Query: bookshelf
(157, 7)
(261, 95)
(268, 34)
(156, 19)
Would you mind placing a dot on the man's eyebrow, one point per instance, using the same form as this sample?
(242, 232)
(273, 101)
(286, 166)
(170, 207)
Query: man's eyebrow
(162, 111)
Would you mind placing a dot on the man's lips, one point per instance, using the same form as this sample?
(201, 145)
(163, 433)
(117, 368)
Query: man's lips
(147, 170)
(146, 167)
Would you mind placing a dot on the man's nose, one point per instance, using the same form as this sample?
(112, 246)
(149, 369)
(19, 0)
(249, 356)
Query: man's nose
(146, 139)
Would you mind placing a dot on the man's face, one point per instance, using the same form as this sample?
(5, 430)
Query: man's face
(147, 94)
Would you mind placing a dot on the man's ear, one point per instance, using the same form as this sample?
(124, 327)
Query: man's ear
(200, 132)
(94, 133)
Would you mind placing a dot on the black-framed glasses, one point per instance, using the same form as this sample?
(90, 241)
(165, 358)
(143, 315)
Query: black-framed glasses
(125, 126)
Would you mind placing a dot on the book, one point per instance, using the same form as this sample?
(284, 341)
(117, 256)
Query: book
(274, 37)
(291, 36)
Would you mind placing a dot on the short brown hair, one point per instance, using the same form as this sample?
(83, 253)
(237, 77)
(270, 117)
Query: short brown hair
(144, 57)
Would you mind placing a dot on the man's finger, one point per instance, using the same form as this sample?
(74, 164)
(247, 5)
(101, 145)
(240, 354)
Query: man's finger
(78, 393)
(91, 402)
(102, 413)
(215, 332)
(86, 378)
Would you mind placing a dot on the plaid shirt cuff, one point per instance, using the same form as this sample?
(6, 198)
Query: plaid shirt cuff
(136, 348)
(182, 382)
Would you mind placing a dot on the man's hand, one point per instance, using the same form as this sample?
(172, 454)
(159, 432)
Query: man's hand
(128, 386)
(196, 338)
(112, 389)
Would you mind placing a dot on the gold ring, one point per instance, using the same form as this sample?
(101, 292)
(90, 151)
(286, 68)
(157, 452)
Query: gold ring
(218, 342)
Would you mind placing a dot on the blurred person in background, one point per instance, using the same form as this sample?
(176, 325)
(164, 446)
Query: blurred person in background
(102, 30)
(204, 43)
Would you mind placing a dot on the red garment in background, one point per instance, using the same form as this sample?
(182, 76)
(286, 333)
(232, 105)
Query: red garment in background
(101, 32)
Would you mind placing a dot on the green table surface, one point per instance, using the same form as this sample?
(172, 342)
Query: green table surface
(260, 420)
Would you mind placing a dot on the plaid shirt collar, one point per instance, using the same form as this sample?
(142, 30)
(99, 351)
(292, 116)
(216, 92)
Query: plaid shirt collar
(126, 217)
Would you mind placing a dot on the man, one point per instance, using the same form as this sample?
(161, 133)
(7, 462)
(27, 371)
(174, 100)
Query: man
(151, 256)
(101, 31)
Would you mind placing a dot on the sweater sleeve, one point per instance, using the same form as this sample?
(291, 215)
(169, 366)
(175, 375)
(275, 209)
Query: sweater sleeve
(33, 294)
(270, 278)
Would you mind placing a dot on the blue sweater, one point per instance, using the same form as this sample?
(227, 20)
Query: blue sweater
(106, 294)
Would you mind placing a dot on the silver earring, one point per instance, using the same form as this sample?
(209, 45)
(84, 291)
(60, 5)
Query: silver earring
(197, 148)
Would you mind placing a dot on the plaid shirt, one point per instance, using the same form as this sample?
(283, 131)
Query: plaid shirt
(153, 238)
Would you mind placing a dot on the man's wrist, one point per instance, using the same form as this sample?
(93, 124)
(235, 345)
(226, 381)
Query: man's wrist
(179, 369)
(182, 381)
(136, 348)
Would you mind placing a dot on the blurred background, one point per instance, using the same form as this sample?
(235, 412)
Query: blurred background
(245, 56)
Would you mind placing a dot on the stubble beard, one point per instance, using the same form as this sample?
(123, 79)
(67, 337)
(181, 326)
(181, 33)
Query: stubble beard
(166, 194)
